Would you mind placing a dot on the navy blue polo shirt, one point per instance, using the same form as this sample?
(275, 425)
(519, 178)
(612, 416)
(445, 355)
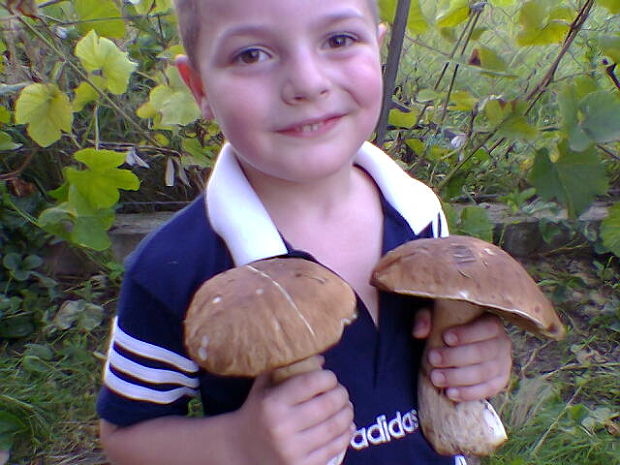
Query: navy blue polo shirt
(149, 374)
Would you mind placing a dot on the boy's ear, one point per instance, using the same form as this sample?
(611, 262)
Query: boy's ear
(381, 31)
(192, 79)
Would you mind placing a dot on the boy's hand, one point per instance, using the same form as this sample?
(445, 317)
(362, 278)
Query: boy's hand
(307, 419)
(477, 361)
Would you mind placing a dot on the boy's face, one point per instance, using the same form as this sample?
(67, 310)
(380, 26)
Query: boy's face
(294, 84)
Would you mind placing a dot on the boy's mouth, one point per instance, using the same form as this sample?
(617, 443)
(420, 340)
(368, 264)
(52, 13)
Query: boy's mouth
(312, 127)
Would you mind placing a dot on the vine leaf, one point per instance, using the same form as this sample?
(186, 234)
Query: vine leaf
(85, 93)
(610, 46)
(573, 178)
(172, 101)
(610, 229)
(144, 7)
(589, 116)
(103, 16)
(416, 21)
(46, 110)
(101, 57)
(543, 22)
(99, 184)
(6, 142)
(452, 13)
(612, 5)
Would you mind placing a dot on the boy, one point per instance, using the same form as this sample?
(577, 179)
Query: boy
(296, 87)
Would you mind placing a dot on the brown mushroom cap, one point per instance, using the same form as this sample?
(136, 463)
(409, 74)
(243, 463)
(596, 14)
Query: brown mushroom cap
(472, 270)
(265, 315)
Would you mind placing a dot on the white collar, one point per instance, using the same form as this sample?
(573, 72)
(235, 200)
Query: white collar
(237, 214)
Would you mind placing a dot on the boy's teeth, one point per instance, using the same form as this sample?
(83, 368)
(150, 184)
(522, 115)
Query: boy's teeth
(310, 127)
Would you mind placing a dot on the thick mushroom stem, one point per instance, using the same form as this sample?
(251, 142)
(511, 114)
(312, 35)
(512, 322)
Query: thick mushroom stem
(306, 365)
(470, 427)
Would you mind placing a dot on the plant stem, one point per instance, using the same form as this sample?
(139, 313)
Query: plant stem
(555, 422)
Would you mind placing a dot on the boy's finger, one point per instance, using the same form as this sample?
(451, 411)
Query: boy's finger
(422, 323)
(322, 407)
(466, 376)
(486, 327)
(478, 391)
(470, 354)
(301, 388)
(330, 437)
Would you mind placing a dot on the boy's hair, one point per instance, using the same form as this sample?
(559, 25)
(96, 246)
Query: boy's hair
(189, 16)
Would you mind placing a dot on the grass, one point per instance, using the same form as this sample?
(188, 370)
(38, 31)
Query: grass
(562, 406)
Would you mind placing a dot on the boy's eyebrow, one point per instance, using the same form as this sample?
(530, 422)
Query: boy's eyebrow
(258, 28)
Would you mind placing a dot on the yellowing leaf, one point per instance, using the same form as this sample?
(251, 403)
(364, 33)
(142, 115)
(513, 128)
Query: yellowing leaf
(543, 22)
(102, 56)
(173, 101)
(99, 183)
(85, 93)
(401, 119)
(452, 13)
(46, 110)
(103, 16)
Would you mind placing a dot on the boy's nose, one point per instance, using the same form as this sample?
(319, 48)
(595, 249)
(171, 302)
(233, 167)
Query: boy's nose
(305, 80)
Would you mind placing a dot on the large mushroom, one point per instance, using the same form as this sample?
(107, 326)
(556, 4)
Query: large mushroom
(270, 315)
(466, 277)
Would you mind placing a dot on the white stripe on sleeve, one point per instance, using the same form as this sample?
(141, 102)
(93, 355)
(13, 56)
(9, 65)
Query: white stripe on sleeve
(151, 351)
(135, 392)
(148, 374)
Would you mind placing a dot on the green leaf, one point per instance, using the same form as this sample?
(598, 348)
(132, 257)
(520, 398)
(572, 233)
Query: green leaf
(85, 93)
(173, 101)
(573, 178)
(474, 221)
(589, 116)
(401, 119)
(610, 46)
(96, 15)
(46, 110)
(610, 229)
(101, 56)
(5, 115)
(489, 59)
(12, 261)
(153, 6)
(462, 100)
(16, 327)
(416, 22)
(543, 22)
(10, 426)
(599, 116)
(6, 142)
(612, 5)
(99, 184)
(452, 13)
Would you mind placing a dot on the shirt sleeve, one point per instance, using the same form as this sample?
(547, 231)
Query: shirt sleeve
(147, 373)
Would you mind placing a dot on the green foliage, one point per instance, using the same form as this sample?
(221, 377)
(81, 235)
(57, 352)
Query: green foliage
(610, 229)
(498, 99)
(87, 198)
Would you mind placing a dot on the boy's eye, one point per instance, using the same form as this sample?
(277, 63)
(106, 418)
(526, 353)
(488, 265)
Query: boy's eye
(340, 40)
(251, 56)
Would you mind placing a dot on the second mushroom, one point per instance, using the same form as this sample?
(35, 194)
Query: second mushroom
(466, 277)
